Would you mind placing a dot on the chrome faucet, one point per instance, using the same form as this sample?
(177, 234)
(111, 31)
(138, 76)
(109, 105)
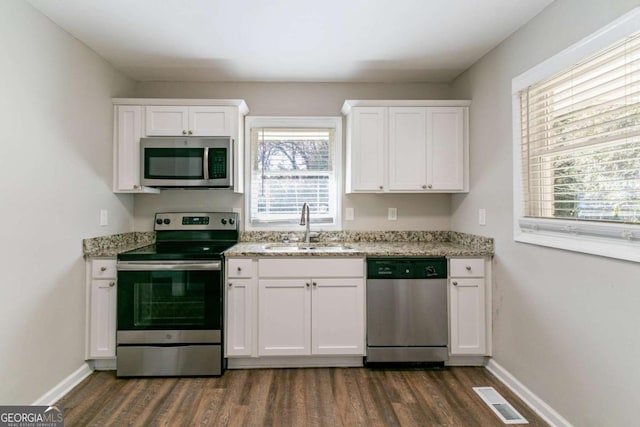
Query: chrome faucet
(305, 220)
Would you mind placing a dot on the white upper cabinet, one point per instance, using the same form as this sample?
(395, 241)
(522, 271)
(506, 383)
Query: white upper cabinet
(407, 149)
(447, 164)
(407, 146)
(175, 120)
(128, 129)
(136, 118)
(366, 148)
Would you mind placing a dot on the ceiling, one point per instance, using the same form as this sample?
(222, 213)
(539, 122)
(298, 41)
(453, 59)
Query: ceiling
(291, 40)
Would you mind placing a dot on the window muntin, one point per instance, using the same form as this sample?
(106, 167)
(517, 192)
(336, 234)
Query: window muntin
(580, 135)
(291, 166)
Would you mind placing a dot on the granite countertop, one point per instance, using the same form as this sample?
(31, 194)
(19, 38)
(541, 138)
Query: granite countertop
(110, 246)
(362, 249)
(358, 244)
(367, 244)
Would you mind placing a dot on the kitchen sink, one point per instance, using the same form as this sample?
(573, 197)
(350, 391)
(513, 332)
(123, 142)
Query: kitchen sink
(312, 247)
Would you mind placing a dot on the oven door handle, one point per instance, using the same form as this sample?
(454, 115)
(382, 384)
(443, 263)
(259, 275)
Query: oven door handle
(169, 266)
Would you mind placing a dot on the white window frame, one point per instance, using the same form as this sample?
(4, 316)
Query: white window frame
(621, 241)
(332, 122)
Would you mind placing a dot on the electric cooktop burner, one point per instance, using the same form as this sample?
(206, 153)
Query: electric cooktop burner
(186, 236)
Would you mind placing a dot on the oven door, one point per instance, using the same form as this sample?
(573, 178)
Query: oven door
(175, 295)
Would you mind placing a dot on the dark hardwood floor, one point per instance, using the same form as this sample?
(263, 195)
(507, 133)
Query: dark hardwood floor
(292, 397)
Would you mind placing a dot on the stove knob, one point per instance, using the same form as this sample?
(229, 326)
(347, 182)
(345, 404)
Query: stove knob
(223, 221)
(232, 221)
(167, 221)
(159, 221)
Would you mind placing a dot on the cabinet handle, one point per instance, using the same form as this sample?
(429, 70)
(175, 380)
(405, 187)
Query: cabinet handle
(184, 132)
(430, 186)
(112, 284)
(230, 284)
(136, 186)
(468, 267)
(190, 133)
(454, 283)
(424, 187)
(307, 284)
(103, 268)
(239, 269)
(381, 187)
(315, 284)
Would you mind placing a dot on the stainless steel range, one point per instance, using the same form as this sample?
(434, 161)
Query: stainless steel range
(169, 302)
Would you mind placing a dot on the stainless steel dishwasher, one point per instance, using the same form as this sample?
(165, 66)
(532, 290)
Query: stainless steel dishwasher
(407, 310)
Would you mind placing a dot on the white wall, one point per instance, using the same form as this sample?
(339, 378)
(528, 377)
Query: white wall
(415, 212)
(565, 324)
(55, 176)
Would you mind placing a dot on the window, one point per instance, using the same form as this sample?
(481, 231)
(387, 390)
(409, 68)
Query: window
(293, 161)
(578, 145)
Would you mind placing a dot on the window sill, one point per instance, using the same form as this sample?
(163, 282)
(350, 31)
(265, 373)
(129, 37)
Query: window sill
(627, 249)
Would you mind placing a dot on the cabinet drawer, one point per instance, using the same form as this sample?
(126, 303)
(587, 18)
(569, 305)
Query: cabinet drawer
(466, 267)
(239, 268)
(315, 268)
(103, 269)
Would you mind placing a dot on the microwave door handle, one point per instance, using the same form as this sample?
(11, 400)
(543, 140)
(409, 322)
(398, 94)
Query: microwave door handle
(231, 164)
(205, 163)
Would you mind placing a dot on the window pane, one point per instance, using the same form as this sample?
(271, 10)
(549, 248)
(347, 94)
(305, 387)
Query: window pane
(581, 139)
(291, 167)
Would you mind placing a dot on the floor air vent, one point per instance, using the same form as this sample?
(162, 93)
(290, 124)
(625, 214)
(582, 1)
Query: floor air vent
(500, 406)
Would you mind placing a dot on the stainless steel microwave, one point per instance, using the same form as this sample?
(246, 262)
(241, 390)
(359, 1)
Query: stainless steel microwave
(168, 162)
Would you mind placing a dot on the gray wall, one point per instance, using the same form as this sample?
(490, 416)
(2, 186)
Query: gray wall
(55, 176)
(565, 324)
(415, 212)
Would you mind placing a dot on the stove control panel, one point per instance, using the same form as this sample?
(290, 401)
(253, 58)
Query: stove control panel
(196, 221)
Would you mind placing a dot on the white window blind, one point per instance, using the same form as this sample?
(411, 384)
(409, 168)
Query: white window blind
(290, 167)
(581, 139)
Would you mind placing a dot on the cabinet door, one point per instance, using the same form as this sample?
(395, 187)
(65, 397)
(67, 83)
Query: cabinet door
(366, 142)
(210, 121)
(167, 120)
(445, 148)
(467, 316)
(337, 316)
(407, 149)
(102, 321)
(240, 307)
(128, 131)
(284, 313)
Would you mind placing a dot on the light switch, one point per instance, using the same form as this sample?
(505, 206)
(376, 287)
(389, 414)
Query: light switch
(392, 214)
(349, 214)
(104, 217)
(482, 216)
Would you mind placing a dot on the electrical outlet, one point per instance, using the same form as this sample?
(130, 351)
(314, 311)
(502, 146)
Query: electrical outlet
(482, 216)
(104, 217)
(392, 214)
(349, 214)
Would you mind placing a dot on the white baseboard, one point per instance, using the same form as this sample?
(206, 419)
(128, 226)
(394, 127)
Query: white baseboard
(64, 386)
(539, 406)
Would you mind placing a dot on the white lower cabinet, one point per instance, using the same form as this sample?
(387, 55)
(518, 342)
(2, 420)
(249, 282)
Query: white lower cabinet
(239, 328)
(337, 316)
(241, 295)
(469, 307)
(284, 307)
(311, 317)
(101, 306)
(294, 307)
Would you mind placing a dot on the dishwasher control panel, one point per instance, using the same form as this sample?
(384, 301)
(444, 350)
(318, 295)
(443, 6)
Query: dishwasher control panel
(407, 268)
